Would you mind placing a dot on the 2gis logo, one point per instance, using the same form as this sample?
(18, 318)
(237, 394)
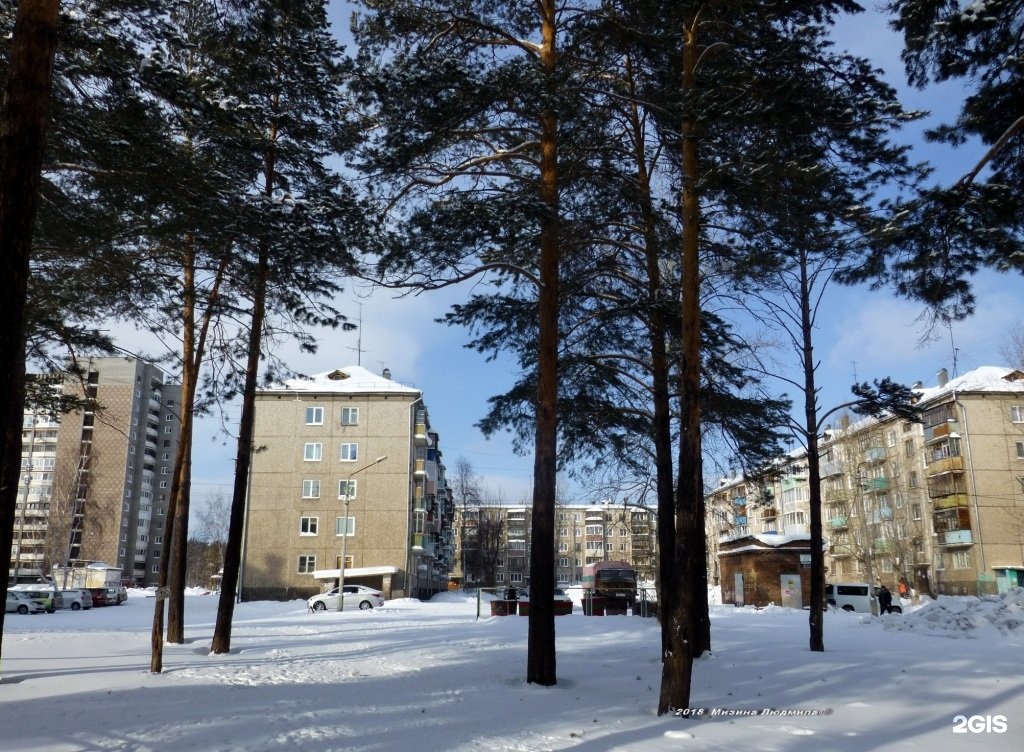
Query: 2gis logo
(979, 724)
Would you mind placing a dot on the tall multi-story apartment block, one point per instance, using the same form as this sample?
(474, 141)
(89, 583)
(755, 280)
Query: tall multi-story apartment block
(96, 480)
(346, 460)
(939, 504)
(583, 535)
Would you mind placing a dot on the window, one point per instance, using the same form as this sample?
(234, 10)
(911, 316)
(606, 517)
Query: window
(1020, 450)
(349, 452)
(163, 484)
(310, 489)
(563, 547)
(307, 564)
(313, 452)
(563, 578)
(168, 417)
(309, 525)
(908, 448)
(516, 577)
(314, 416)
(350, 416)
(165, 471)
(962, 560)
(913, 479)
(1017, 413)
(345, 526)
(155, 569)
(347, 489)
(157, 540)
(563, 562)
(499, 577)
(168, 429)
(890, 438)
(563, 532)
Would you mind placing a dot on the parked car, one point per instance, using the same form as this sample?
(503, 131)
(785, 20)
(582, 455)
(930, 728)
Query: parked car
(20, 603)
(561, 595)
(103, 596)
(356, 596)
(44, 595)
(856, 596)
(77, 599)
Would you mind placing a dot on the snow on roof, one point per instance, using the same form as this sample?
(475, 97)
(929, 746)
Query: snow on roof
(993, 379)
(351, 379)
(767, 539)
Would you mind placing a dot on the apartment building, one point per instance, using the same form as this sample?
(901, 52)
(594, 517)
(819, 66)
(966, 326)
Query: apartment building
(938, 504)
(346, 465)
(96, 481)
(495, 542)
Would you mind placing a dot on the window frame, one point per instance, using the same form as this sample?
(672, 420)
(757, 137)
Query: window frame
(317, 446)
(313, 490)
(349, 416)
(350, 526)
(352, 489)
(353, 446)
(305, 564)
(311, 415)
(309, 526)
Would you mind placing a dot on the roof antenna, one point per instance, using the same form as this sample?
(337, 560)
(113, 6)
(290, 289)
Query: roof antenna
(952, 344)
(359, 338)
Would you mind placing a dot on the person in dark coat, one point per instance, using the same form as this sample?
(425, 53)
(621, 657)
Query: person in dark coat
(884, 600)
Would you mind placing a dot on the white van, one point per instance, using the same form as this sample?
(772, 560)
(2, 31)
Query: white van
(77, 599)
(856, 596)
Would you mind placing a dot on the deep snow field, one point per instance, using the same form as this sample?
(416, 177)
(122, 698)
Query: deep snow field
(422, 677)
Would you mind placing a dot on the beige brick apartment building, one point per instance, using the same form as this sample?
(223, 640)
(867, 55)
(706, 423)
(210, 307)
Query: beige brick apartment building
(583, 535)
(317, 476)
(940, 504)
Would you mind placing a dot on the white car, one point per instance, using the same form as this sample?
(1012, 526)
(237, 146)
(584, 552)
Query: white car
(22, 604)
(356, 596)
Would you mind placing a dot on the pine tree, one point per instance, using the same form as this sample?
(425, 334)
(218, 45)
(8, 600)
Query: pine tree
(301, 222)
(24, 114)
(940, 236)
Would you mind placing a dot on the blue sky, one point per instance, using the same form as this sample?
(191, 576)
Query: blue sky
(870, 334)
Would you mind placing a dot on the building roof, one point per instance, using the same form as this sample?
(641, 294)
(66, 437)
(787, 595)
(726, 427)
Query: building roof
(346, 380)
(986, 379)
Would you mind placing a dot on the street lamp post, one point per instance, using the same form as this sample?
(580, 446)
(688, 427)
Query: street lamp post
(344, 532)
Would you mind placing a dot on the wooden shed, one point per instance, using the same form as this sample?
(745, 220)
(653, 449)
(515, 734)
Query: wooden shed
(761, 570)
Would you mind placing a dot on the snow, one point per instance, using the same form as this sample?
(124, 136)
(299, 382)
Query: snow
(432, 676)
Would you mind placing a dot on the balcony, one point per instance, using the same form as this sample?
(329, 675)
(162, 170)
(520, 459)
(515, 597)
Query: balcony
(945, 465)
(419, 470)
(955, 538)
(881, 546)
(838, 523)
(770, 513)
(828, 469)
(953, 501)
(877, 484)
(875, 454)
(940, 431)
(419, 435)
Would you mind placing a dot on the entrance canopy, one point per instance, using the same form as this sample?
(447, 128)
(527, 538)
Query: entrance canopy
(354, 572)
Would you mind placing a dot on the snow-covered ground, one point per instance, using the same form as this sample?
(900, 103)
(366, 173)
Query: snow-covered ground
(431, 676)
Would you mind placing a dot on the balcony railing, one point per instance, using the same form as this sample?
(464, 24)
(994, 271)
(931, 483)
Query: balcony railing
(838, 522)
(945, 465)
(950, 502)
(955, 538)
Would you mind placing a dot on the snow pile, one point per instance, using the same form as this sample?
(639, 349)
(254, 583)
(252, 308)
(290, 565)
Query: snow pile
(969, 617)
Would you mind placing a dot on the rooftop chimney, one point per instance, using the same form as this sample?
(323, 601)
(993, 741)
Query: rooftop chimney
(387, 374)
(942, 376)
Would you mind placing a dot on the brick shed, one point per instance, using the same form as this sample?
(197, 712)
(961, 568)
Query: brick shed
(760, 570)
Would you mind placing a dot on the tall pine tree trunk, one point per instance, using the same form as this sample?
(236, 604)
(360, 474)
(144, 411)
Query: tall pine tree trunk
(540, 667)
(816, 616)
(24, 114)
(661, 430)
(679, 624)
(243, 461)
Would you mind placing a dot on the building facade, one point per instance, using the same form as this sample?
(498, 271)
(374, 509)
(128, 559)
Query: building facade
(96, 480)
(938, 505)
(346, 464)
(500, 538)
